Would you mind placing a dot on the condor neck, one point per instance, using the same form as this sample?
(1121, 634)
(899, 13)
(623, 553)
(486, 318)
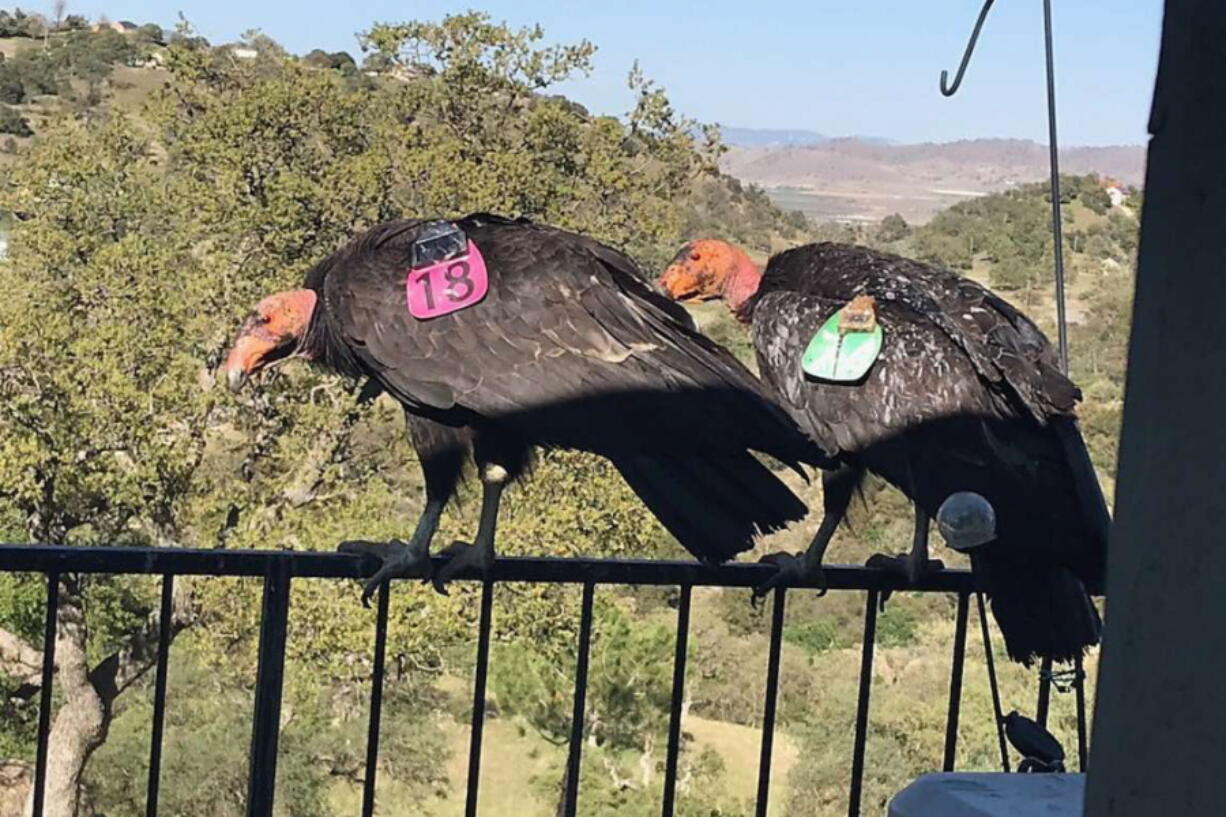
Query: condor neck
(741, 286)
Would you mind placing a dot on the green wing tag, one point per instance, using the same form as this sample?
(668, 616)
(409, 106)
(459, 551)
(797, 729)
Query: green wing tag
(847, 344)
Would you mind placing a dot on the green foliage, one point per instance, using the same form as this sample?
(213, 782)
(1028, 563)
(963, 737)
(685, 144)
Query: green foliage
(152, 34)
(724, 207)
(22, 604)
(12, 91)
(74, 53)
(1096, 199)
(814, 636)
(18, 23)
(629, 682)
(893, 228)
(13, 122)
(208, 730)
(626, 717)
(1012, 273)
(336, 61)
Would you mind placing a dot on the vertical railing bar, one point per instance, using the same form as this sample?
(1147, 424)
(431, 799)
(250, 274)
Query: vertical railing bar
(44, 700)
(1079, 686)
(376, 703)
(479, 676)
(991, 663)
(1044, 702)
(575, 754)
(274, 621)
(866, 684)
(165, 612)
(675, 706)
(772, 695)
(955, 683)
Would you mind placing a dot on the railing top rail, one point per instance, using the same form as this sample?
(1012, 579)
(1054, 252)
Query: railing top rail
(315, 564)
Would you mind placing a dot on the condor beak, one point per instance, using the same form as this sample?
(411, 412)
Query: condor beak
(677, 283)
(235, 378)
(252, 349)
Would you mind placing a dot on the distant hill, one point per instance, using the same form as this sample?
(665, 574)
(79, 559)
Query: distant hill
(760, 137)
(765, 137)
(862, 180)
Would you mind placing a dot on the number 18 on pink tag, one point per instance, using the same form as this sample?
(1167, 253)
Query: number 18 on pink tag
(447, 286)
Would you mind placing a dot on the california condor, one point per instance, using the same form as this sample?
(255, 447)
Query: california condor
(498, 336)
(964, 395)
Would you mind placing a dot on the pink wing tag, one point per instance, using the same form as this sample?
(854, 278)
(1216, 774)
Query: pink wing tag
(447, 286)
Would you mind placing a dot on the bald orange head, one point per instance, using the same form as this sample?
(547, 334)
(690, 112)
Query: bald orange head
(710, 268)
(274, 331)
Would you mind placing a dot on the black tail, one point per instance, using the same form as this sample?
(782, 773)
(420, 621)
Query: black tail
(1092, 562)
(1043, 610)
(713, 505)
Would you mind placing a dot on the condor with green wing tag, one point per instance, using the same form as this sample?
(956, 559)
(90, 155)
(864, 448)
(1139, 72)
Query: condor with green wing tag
(847, 344)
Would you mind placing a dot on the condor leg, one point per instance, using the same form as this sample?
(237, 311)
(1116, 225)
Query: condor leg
(913, 566)
(442, 453)
(480, 554)
(400, 560)
(838, 486)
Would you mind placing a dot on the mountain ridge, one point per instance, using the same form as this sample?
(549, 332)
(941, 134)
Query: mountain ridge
(851, 179)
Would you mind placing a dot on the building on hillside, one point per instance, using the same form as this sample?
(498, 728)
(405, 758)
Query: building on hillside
(242, 52)
(1116, 189)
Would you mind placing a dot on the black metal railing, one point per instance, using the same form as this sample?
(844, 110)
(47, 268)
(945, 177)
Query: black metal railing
(279, 568)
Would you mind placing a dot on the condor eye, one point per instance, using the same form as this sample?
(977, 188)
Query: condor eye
(695, 256)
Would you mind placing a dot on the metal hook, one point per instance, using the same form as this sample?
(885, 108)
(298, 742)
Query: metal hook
(950, 90)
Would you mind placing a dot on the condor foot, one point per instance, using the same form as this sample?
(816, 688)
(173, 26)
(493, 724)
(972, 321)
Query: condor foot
(913, 570)
(790, 569)
(399, 560)
(462, 556)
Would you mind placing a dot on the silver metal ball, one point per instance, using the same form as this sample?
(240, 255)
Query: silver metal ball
(966, 521)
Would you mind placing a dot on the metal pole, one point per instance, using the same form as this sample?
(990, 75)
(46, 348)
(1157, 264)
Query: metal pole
(866, 686)
(772, 697)
(674, 717)
(44, 704)
(955, 683)
(376, 702)
(1057, 236)
(274, 624)
(166, 612)
(1053, 148)
(479, 678)
(995, 688)
(575, 755)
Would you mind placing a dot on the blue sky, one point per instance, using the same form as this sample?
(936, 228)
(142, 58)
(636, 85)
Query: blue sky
(836, 67)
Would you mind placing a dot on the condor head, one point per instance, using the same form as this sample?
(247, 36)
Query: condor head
(274, 331)
(708, 269)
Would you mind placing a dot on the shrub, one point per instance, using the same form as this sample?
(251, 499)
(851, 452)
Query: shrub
(13, 122)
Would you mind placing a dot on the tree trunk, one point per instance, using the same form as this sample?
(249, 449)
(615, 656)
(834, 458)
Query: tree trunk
(80, 725)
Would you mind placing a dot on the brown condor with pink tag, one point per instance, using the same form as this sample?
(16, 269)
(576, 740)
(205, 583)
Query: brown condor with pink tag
(498, 336)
